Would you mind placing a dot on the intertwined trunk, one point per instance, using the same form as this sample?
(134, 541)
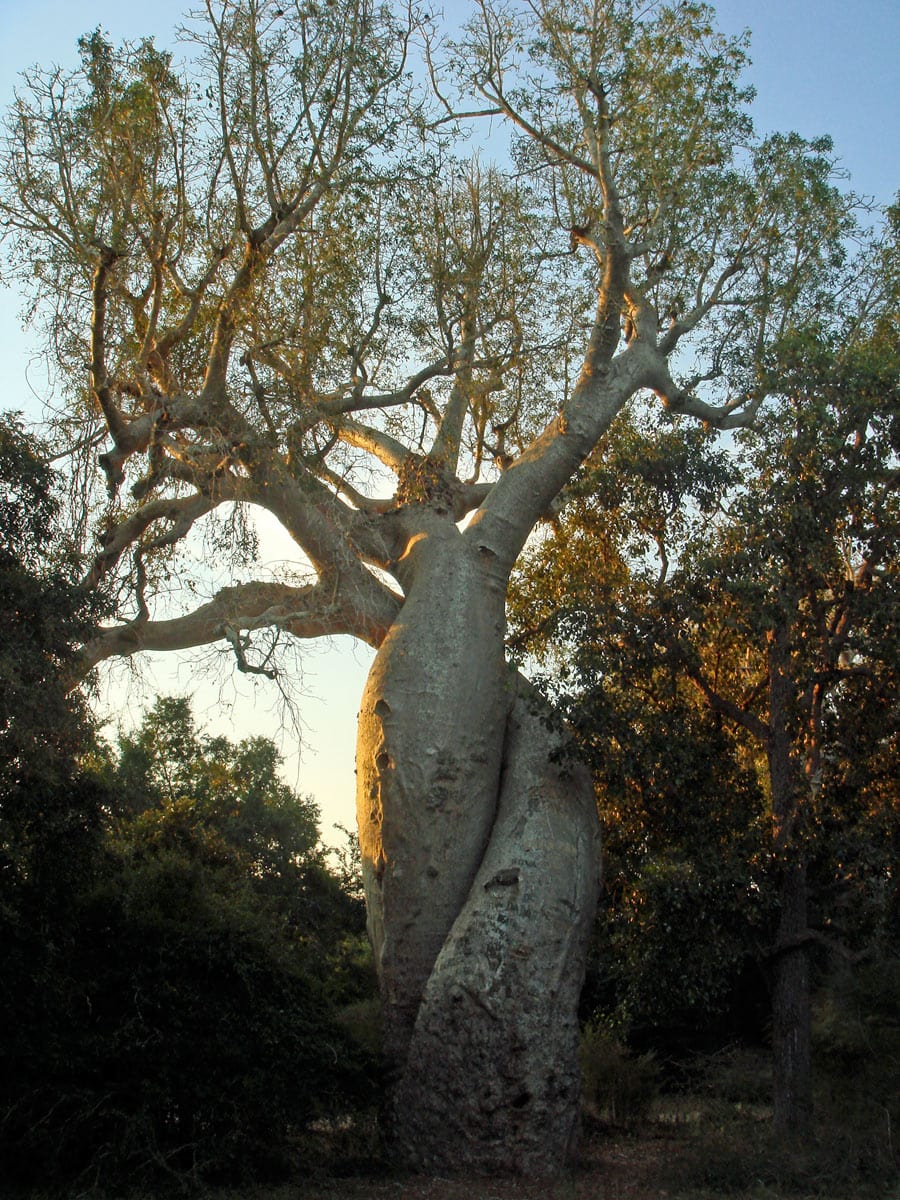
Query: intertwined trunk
(479, 839)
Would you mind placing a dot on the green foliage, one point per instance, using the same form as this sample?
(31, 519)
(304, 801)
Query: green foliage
(51, 815)
(685, 898)
(179, 1019)
(195, 1040)
(737, 1075)
(176, 949)
(207, 797)
(362, 1021)
(739, 1156)
(656, 601)
(856, 1033)
(43, 613)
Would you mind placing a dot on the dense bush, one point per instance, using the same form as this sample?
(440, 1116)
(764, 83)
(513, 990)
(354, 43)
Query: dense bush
(856, 1034)
(184, 1037)
(176, 948)
(619, 1088)
(165, 1020)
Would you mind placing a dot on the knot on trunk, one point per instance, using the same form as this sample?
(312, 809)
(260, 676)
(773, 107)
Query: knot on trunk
(426, 480)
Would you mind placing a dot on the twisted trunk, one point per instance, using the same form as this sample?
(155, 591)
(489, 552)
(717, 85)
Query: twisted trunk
(479, 842)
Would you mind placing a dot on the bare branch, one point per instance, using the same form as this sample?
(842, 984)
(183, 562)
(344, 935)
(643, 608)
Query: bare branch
(738, 413)
(302, 611)
(181, 514)
(240, 646)
(388, 450)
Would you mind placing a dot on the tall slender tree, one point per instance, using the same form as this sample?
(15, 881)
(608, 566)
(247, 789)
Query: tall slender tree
(274, 282)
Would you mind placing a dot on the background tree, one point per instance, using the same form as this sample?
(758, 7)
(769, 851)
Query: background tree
(685, 905)
(49, 822)
(173, 1000)
(781, 615)
(269, 284)
(183, 784)
(44, 613)
(51, 817)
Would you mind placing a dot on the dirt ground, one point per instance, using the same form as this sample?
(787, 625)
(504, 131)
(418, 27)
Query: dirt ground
(695, 1152)
(611, 1169)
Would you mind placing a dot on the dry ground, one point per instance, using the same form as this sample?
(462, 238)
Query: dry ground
(658, 1164)
(622, 1169)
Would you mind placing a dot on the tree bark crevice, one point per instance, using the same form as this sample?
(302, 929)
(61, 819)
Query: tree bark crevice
(492, 1083)
(478, 832)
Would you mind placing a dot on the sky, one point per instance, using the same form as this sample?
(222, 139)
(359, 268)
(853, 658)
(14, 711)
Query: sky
(819, 66)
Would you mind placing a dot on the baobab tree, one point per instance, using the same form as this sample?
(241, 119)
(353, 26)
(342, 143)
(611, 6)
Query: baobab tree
(263, 276)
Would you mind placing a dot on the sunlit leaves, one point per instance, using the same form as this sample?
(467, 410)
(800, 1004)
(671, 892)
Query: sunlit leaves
(639, 113)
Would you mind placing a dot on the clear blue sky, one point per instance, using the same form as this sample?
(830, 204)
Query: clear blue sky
(819, 66)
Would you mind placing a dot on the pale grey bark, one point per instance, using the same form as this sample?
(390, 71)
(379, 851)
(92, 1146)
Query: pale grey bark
(478, 833)
(492, 1082)
(430, 744)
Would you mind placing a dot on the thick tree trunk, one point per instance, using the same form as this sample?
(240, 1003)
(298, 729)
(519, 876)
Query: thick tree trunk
(429, 754)
(492, 1081)
(480, 856)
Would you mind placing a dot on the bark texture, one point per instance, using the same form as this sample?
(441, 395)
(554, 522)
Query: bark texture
(480, 857)
(791, 1012)
(791, 1000)
(429, 751)
(492, 1081)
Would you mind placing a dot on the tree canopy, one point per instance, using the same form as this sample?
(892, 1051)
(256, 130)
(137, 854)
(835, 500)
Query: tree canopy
(268, 268)
(281, 275)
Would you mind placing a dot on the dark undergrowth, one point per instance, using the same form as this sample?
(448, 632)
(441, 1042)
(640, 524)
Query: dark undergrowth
(708, 1137)
(694, 1147)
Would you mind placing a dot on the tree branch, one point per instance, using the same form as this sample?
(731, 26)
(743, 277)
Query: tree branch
(385, 448)
(182, 513)
(304, 612)
(727, 708)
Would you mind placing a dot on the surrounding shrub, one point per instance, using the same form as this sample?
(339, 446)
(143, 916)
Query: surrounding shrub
(856, 1035)
(730, 1147)
(361, 1020)
(172, 977)
(619, 1088)
(737, 1075)
(182, 1036)
(742, 1157)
